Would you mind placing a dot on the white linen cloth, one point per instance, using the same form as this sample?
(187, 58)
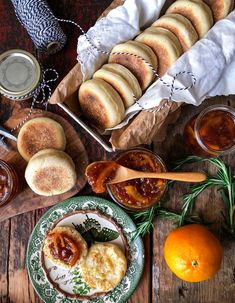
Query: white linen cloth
(211, 60)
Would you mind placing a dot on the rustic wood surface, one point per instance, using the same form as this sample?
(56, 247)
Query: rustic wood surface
(158, 284)
(26, 200)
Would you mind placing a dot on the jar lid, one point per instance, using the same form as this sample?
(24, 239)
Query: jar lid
(20, 73)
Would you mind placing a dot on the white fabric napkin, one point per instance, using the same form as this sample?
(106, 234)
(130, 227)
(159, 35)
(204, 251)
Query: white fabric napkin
(211, 60)
(121, 24)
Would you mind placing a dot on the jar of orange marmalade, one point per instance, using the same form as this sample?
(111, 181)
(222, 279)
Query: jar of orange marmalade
(212, 132)
(139, 194)
(9, 182)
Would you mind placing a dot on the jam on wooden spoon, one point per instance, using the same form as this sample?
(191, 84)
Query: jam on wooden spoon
(110, 172)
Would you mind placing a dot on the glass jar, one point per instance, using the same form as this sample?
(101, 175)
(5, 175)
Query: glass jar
(20, 74)
(212, 132)
(9, 182)
(139, 194)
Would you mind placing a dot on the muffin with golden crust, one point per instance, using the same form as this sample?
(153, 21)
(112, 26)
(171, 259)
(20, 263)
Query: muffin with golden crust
(65, 247)
(165, 45)
(198, 12)
(181, 27)
(220, 8)
(38, 134)
(143, 72)
(104, 266)
(50, 172)
(101, 103)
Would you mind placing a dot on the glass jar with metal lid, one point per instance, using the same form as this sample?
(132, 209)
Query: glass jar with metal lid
(20, 74)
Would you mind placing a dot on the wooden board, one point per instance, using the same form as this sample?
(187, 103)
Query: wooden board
(166, 287)
(26, 199)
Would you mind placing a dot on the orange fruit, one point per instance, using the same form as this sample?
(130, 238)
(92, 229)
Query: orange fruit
(193, 253)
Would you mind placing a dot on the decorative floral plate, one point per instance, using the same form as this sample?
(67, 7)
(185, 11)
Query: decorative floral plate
(97, 220)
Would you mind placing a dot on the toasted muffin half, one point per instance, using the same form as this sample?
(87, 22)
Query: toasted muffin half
(50, 172)
(140, 69)
(65, 247)
(220, 8)
(181, 27)
(165, 45)
(40, 133)
(196, 11)
(114, 76)
(104, 266)
(101, 103)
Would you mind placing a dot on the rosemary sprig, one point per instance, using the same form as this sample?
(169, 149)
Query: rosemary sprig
(190, 159)
(145, 219)
(223, 179)
(227, 189)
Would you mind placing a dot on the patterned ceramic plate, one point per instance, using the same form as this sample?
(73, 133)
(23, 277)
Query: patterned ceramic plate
(98, 220)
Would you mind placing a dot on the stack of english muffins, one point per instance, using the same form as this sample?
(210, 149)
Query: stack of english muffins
(50, 170)
(129, 72)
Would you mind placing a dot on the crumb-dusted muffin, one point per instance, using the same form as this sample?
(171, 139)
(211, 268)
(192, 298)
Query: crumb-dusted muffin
(124, 72)
(181, 27)
(40, 133)
(196, 11)
(143, 72)
(220, 8)
(101, 103)
(50, 172)
(165, 45)
(114, 75)
(104, 267)
(65, 247)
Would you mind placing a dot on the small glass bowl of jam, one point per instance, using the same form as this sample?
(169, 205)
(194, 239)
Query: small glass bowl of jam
(139, 194)
(9, 182)
(212, 132)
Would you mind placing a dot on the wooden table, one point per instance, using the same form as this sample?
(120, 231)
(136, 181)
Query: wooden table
(158, 284)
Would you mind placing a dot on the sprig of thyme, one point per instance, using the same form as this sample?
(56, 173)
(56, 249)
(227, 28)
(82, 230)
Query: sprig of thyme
(223, 179)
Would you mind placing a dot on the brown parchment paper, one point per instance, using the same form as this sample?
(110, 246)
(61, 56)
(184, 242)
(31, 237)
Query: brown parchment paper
(140, 130)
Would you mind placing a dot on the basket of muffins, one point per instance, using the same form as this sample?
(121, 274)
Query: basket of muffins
(132, 67)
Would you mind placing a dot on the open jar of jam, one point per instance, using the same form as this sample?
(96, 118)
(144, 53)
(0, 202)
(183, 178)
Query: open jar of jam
(9, 182)
(139, 194)
(212, 132)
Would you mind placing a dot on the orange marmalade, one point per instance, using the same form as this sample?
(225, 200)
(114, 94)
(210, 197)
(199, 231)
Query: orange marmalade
(212, 132)
(9, 182)
(139, 193)
(64, 248)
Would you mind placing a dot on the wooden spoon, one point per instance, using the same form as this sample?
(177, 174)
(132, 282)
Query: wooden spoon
(123, 174)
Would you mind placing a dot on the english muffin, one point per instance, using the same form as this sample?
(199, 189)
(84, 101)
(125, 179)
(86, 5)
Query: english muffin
(181, 27)
(220, 8)
(38, 134)
(142, 71)
(112, 74)
(196, 11)
(50, 172)
(165, 45)
(123, 72)
(65, 247)
(101, 103)
(104, 267)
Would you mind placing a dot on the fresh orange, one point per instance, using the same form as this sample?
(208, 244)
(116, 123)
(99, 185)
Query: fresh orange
(193, 253)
